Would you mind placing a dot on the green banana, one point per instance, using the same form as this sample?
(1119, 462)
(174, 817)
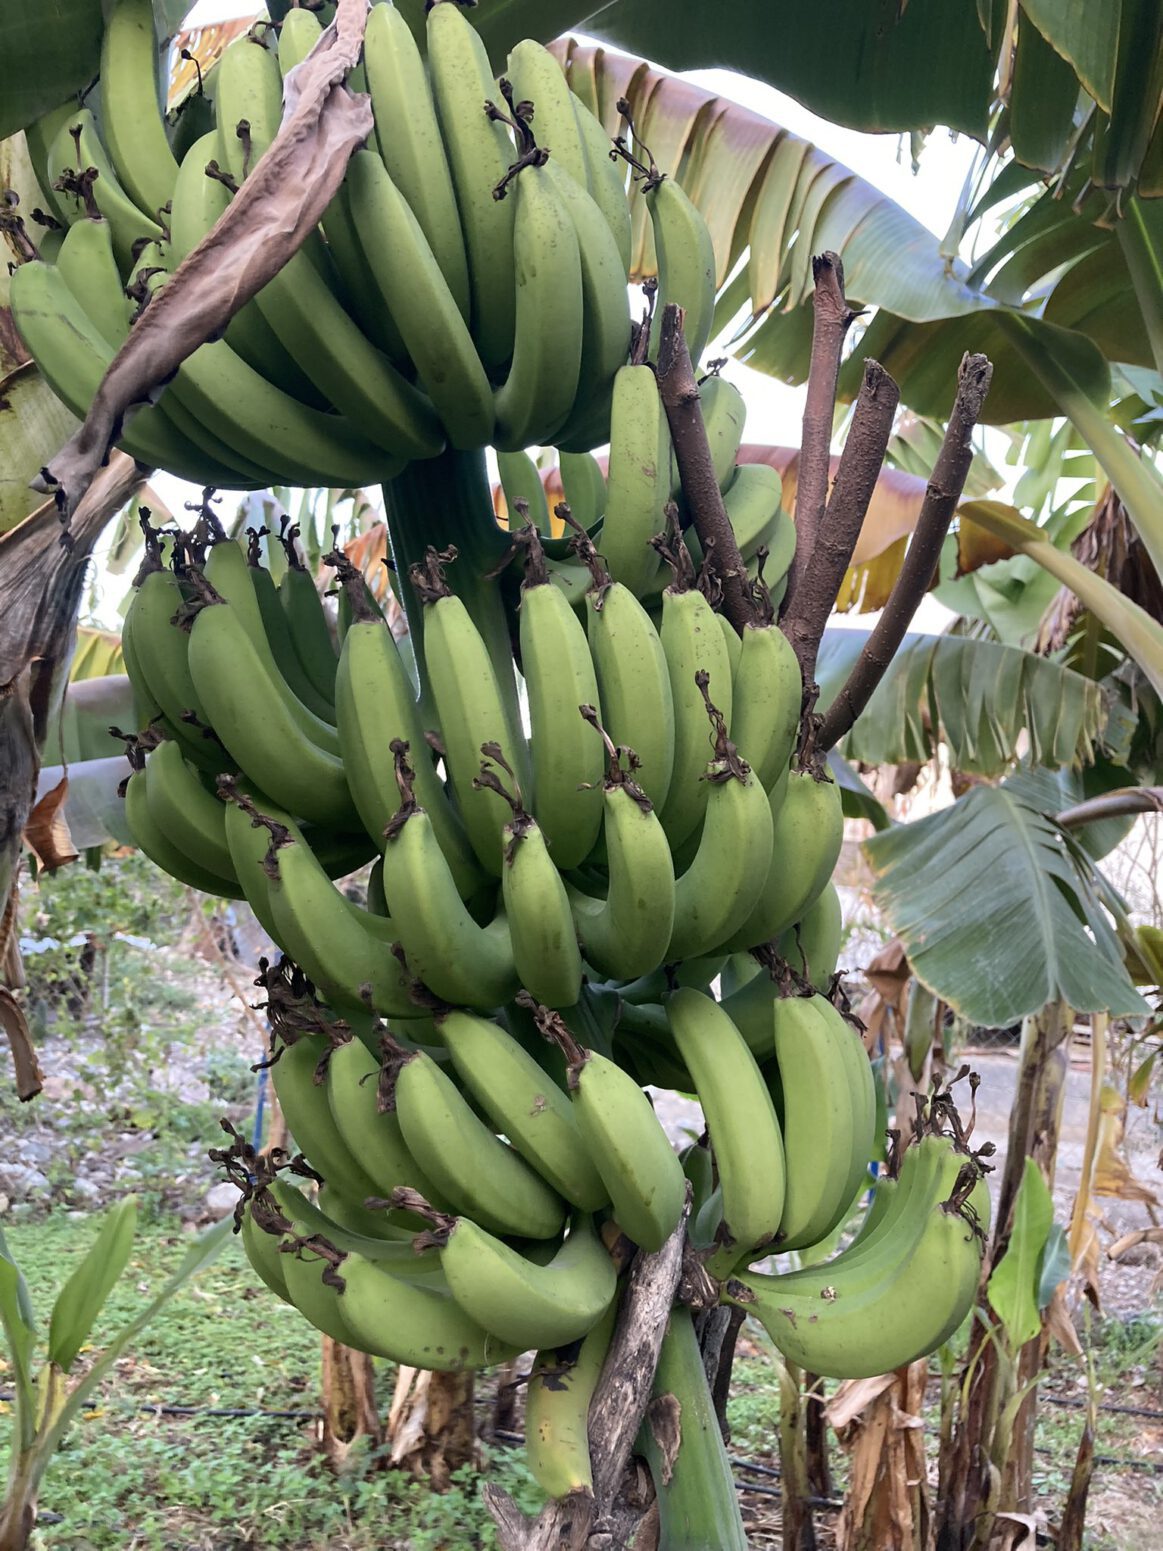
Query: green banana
(521, 481)
(262, 1250)
(398, 1252)
(812, 945)
(479, 154)
(541, 929)
(525, 1105)
(633, 684)
(767, 694)
(626, 933)
(808, 832)
(479, 1174)
(557, 1404)
(826, 1125)
(584, 487)
(537, 78)
(566, 754)
(745, 1134)
(245, 709)
(410, 143)
(183, 810)
(898, 1303)
(539, 390)
(518, 1300)
(376, 707)
(310, 632)
(297, 302)
(629, 1148)
(76, 147)
(131, 119)
(686, 260)
(638, 478)
(694, 646)
(720, 887)
(297, 1078)
(282, 645)
(233, 579)
(353, 1094)
(411, 289)
(683, 1446)
(472, 713)
(346, 950)
(150, 838)
(605, 179)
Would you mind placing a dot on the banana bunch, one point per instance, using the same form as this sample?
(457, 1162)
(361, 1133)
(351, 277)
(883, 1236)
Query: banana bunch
(466, 286)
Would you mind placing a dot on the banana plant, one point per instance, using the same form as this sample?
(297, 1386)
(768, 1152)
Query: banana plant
(47, 1399)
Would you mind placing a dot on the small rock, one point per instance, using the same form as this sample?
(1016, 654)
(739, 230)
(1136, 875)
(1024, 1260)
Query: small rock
(37, 1153)
(85, 1190)
(220, 1199)
(19, 1183)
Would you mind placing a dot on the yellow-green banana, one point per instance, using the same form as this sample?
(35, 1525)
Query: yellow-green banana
(638, 478)
(633, 684)
(686, 260)
(353, 1094)
(541, 929)
(808, 832)
(150, 838)
(557, 1406)
(75, 149)
(131, 119)
(812, 945)
(694, 646)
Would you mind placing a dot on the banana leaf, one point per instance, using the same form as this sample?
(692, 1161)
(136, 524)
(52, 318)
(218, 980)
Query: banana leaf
(997, 913)
(984, 701)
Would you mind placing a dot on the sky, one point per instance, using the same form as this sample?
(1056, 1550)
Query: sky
(774, 410)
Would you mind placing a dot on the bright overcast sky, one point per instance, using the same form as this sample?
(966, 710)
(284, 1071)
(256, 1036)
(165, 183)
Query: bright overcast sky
(931, 194)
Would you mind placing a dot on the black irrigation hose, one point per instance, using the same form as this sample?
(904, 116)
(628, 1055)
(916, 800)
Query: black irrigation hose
(1079, 1405)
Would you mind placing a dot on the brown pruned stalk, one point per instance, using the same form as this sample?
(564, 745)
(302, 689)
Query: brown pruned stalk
(852, 490)
(946, 483)
(274, 212)
(680, 398)
(616, 1412)
(833, 318)
(1124, 802)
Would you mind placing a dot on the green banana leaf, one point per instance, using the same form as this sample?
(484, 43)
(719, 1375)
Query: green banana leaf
(1015, 1282)
(997, 913)
(83, 1296)
(983, 700)
(34, 424)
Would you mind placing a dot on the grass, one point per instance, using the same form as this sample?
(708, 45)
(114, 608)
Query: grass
(143, 1482)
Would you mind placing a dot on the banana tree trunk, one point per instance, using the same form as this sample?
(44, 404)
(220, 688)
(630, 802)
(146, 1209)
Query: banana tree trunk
(349, 1403)
(431, 1426)
(886, 1507)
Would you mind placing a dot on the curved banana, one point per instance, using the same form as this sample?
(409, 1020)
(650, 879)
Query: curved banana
(519, 1300)
(525, 1105)
(472, 713)
(398, 1253)
(76, 147)
(638, 478)
(557, 1406)
(566, 752)
(825, 1125)
(310, 632)
(479, 1174)
(633, 684)
(745, 1134)
(297, 1076)
(246, 711)
(629, 1148)
(694, 646)
(262, 1250)
(479, 154)
(895, 1306)
(183, 809)
(462, 962)
(766, 701)
(347, 951)
(297, 302)
(719, 888)
(808, 832)
(353, 1094)
(233, 579)
(537, 77)
(521, 481)
(584, 487)
(606, 180)
(538, 393)
(376, 707)
(627, 933)
(686, 260)
(812, 945)
(605, 301)
(410, 144)
(413, 291)
(282, 645)
(541, 928)
(150, 838)
(130, 119)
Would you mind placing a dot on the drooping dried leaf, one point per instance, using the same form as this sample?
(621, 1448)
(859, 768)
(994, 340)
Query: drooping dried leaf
(852, 1396)
(1112, 1173)
(47, 829)
(26, 1068)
